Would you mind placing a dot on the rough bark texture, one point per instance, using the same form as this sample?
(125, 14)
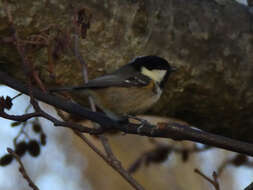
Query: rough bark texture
(211, 43)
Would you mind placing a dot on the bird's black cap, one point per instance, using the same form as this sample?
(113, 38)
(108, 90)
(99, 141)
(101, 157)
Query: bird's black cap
(151, 62)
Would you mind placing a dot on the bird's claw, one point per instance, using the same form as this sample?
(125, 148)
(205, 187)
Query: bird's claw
(142, 123)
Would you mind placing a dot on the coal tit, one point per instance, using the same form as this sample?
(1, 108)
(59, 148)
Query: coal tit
(132, 89)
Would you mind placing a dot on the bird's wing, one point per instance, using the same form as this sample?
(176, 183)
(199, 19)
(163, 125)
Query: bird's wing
(115, 80)
(108, 81)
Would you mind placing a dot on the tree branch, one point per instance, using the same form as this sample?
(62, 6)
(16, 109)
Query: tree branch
(23, 171)
(115, 165)
(213, 181)
(78, 55)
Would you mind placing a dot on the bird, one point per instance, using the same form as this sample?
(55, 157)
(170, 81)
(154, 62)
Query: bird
(132, 89)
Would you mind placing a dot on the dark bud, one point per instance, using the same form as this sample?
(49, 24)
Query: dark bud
(43, 139)
(83, 20)
(21, 148)
(135, 166)
(16, 123)
(158, 155)
(80, 16)
(84, 29)
(239, 160)
(36, 128)
(6, 160)
(33, 148)
(6, 103)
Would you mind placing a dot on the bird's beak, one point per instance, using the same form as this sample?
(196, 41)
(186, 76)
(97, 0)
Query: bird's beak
(173, 69)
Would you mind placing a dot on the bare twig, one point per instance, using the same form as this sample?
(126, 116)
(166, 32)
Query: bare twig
(19, 94)
(102, 138)
(28, 66)
(21, 118)
(213, 181)
(22, 170)
(56, 122)
(115, 165)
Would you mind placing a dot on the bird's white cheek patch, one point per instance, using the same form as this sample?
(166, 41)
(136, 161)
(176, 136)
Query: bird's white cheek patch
(156, 74)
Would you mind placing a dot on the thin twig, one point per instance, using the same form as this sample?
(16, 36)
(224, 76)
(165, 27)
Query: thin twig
(22, 170)
(213, 181)
(19, 94)
(116, 166)
(40, 113)
(102, 138)
(28, 66)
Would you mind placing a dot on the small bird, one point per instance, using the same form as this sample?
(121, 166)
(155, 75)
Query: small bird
(132, 89)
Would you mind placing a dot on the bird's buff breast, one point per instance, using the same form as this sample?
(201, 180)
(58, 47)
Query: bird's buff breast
(124, 101)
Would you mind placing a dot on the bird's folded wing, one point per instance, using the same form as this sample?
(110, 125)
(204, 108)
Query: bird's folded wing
(115, 80)
(108, 81)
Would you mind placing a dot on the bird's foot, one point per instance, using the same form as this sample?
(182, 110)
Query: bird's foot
(142, 123)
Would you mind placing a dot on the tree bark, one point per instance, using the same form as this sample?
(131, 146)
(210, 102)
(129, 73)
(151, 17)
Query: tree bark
(210, 43)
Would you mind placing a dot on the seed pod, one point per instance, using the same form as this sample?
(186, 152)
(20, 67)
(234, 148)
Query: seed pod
(16, 123)
(43, 139)
(21, 148)
(36, 128)
(6, 160)
(33, 148)
(239, 159)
